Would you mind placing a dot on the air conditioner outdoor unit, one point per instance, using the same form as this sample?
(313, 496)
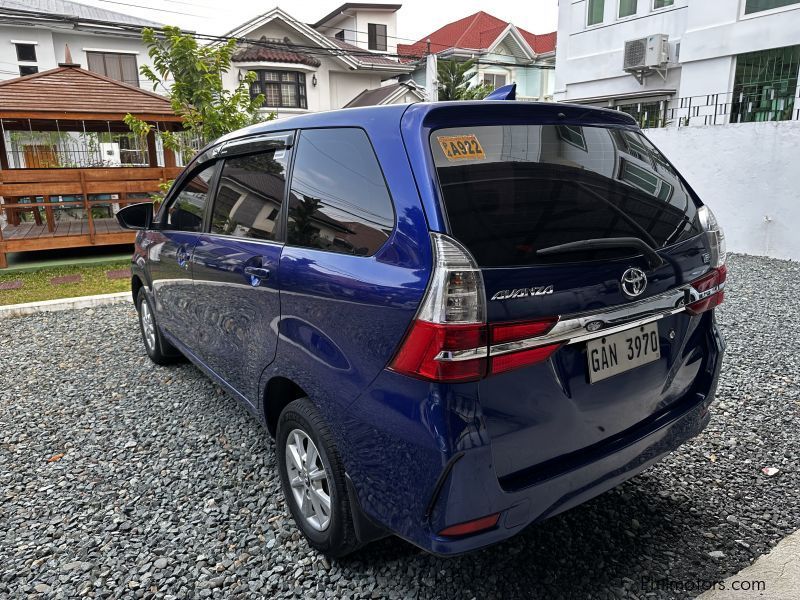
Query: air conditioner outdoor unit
(649, 53)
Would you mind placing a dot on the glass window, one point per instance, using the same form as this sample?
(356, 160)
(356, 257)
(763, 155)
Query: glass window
(376, 37)
(523, 188)
(340, 35)
(662, 3)
(121, 67)
(596, 10)
(28, 70)
(26, 52)
(338, 200)
(647, 114)
(765, 85)
(627, 8)
(185, 213)
(281, 89)
(249, 195)
(493, 80)
(754, 6)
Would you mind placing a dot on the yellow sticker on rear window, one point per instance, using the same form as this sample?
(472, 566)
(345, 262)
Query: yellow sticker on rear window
(461, 147)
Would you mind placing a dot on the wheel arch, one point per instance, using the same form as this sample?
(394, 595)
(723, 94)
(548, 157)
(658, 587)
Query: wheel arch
(278, 393)
(136, 285)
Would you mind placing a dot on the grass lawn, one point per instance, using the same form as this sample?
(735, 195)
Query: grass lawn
(37, 285)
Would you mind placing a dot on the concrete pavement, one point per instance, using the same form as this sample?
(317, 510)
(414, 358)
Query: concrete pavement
(779, 571)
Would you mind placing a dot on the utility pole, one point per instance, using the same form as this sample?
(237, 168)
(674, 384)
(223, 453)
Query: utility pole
(431, 75)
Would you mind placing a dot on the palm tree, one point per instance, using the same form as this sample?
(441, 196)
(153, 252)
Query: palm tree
(454, 83)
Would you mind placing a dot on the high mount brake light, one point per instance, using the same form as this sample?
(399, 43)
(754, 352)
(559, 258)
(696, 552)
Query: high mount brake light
(449, 339)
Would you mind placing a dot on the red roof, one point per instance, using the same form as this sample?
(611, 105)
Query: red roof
(475, 32)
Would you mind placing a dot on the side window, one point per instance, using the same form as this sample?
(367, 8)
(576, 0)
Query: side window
(249, 195)
(186, 211)
(338, 199)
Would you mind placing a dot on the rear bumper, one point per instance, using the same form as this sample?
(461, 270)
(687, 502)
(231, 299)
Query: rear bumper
(561, 484)
(421, 465)
(461, 501)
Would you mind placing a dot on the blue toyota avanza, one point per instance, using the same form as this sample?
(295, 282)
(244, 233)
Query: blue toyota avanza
(456, 319)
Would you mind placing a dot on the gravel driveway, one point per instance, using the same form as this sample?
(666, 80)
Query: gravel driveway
(120, 478)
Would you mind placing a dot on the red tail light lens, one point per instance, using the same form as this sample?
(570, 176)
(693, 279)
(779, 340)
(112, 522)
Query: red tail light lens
(508, 362)
(461, 352)
(710, 287)
(469, 527)
(511, 332)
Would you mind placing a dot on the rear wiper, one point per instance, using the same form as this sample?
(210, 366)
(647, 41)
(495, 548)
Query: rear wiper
(653, 258)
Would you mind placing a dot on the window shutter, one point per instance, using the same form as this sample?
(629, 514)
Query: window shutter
(96, 63)
(130, 74)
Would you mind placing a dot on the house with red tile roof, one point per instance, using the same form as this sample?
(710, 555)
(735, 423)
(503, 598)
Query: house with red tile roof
(304, 67)
(504, 53)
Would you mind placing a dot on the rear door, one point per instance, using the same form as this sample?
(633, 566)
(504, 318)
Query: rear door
(512, 192)
(235, 264)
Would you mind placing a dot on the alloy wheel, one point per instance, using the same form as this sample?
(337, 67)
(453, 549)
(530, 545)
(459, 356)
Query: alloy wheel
(308, 479)
(148, 326)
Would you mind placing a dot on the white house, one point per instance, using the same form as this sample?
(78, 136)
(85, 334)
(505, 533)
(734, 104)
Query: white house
(681, 61)
(34, 34)
(305, 68)
(503, 53)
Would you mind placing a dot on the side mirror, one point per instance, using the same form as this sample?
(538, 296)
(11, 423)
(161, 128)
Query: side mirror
(136, 216)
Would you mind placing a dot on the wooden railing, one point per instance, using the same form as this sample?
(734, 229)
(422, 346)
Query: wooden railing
(30, 185)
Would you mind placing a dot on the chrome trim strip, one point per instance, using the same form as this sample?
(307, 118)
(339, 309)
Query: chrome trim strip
(459, 355)
(572, 328)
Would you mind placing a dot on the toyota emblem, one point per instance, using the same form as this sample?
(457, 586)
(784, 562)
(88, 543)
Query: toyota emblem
(634, 281)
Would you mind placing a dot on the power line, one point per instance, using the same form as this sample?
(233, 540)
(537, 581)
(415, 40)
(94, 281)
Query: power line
(164, 10)
(311, 50)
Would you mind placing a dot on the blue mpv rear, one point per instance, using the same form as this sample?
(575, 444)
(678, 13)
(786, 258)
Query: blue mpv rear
(456, 319)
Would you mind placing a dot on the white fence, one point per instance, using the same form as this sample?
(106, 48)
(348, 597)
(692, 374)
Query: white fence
(748, 174)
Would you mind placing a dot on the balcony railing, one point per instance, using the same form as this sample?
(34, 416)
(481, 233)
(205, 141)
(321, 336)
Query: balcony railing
(717, 109)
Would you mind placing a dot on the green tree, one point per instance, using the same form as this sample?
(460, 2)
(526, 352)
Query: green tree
(197, 93)
(454, 83)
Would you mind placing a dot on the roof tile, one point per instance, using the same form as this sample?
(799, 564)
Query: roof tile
(475, 32)
(75, 90)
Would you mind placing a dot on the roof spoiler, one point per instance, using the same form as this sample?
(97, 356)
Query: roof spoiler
(507, 92)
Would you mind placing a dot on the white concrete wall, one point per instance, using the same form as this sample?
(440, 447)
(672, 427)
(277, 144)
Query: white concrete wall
(336, 85)
(50, 48)
(745, 173)
(364, 17)
(710, 34)
(589, 59)
(346, 86)
(9, 65)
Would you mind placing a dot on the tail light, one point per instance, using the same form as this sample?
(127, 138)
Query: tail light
(711, 287)
(716, 236)
(449, 339)
(509, 333)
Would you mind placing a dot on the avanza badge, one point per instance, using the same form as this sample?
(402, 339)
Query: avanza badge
(461, 147)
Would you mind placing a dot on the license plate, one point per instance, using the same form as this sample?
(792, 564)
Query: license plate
(615, 354)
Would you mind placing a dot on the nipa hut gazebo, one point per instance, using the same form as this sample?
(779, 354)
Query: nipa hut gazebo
(68, 161)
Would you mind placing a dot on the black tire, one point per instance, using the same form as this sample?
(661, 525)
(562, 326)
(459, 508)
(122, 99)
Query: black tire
(339, 537)
(158, 349)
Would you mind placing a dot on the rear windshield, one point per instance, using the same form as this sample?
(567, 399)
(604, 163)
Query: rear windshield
(510, 191)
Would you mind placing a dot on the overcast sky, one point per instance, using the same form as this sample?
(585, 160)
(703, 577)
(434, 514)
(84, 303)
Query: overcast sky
(416, 19)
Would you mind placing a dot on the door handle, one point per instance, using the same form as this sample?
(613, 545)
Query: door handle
(256, 274)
